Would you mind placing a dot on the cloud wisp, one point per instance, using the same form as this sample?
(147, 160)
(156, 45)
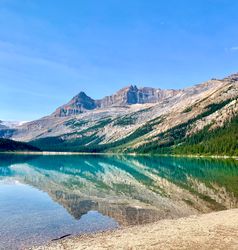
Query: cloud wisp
(234, 48)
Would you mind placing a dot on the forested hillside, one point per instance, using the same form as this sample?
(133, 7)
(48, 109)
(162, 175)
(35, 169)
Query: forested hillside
(201, 119)
(10, 145)
(219, 141)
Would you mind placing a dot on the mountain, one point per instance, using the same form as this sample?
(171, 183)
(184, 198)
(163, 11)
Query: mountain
(11, 124)
(126, 96)
(10, 145)
(77, 105)
(199, 119)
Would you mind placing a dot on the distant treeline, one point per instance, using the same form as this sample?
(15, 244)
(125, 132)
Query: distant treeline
(10, 145)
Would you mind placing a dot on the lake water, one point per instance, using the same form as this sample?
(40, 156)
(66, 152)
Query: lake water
(46, 197)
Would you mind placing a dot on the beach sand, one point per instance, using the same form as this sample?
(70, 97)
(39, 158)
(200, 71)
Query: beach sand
(217, 230)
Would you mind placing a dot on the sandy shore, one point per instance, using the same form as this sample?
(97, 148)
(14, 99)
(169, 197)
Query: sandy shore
(217, 230)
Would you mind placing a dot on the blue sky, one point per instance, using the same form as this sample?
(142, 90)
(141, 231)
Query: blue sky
(51, 50)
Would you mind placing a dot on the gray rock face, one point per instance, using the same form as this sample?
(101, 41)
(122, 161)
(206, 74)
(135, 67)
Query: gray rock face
(77, 105)
(126, 96)
(152, 111)
(132, 95)
(232, 78)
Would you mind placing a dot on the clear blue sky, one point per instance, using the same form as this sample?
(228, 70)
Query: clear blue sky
(52, 49)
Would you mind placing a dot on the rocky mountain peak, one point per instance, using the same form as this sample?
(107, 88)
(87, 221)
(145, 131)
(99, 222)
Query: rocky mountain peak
(214, 101)
(130, 95)
(233, 77)
(82, 94)
(78, 104)
(126, 96)
(133, 88)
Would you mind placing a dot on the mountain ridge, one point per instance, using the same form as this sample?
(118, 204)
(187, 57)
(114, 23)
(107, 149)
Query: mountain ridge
(128, 95)
(122, 123)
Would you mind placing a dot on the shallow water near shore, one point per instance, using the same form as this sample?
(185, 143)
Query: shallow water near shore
(47, 197)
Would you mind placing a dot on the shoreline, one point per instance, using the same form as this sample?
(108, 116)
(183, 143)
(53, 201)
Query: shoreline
(108, 153)
(215, 230)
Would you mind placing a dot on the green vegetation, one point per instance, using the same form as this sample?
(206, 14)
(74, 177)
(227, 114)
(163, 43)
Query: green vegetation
(124, 121)
(73, 123)
(141, 131)
(10, 145)
(129, 119)
(188, 109)
(86, 140)
(80, 144)
(219, 141)
(90, 142)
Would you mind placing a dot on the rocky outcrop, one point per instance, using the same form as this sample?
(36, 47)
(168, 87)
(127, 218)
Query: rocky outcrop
(132, 117)
(133, 95)
(126, 96)
(77, 105)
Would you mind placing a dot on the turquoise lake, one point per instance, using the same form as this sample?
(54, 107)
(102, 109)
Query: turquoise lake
(43, 198)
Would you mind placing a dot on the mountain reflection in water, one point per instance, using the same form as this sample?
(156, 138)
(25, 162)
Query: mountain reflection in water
(133, 190)
(129, 189)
